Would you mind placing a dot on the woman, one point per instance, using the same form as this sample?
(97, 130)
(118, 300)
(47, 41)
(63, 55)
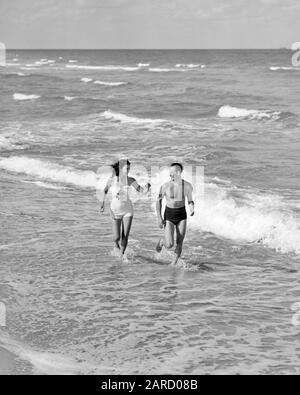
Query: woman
(121, 206)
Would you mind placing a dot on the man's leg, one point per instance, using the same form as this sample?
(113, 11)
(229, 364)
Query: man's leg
(169, 235)
(181, 232)
(168, 241)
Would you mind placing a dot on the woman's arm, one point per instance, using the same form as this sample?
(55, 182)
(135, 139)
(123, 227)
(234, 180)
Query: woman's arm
(133, 183)
(106, 190)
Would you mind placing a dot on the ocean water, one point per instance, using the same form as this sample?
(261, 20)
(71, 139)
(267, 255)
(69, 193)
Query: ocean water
(226, 308)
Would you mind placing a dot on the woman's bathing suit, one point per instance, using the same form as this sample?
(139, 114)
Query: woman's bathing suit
(121, 205)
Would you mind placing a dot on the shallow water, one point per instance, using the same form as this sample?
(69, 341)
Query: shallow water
(72, 307)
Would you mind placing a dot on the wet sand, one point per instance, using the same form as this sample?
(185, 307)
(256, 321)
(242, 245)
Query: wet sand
(7, 362)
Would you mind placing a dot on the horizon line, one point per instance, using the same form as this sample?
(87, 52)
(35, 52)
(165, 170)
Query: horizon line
(149, 49)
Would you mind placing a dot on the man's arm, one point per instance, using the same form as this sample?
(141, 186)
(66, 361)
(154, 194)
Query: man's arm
(161, 223)
(133, 183)
(191, 200)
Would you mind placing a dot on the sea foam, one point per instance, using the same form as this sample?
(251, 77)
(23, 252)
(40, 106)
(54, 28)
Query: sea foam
(49, 171)
(118, 117)
(10, 144)
(69, 98)
(190, 66)
(111, 84)
(241, 215)
(22, 97)
(165, 70)
(277, 68)
(104, 68)
(253, 219)
(86, 80)
(51, 363)
(234, 112)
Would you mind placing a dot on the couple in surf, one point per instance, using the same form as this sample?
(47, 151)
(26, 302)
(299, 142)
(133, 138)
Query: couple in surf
(176, 193)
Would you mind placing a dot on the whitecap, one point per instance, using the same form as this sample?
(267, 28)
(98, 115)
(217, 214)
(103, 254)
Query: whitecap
(41, 63)
(47, 185)
(104, 68)
(235, 112)
(10, 144)
(12, 64)
(190, 66)
(165, 70)
(118, 117)
(69, 98)
(29, 68)
(49, 171)
(86, 80)
(22, 97)
(253, 219)
(277, 68)
(112, 84)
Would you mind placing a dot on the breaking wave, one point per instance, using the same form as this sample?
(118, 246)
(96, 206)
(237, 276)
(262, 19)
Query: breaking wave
(240, 215)
(70, 98)
(118, 117)
(86, 80)
(111, 84)
(234, 112)
(190, 66)
(11, 144)
(104, 68)
(253, 218)
(21, 97)
(277, 68)
(49, 171)
(165, 70)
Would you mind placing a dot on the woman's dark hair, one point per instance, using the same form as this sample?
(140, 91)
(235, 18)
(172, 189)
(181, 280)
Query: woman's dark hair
(119, 165)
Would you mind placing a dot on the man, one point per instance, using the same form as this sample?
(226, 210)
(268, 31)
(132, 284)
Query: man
(176, 192)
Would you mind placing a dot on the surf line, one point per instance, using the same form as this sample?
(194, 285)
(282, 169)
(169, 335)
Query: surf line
(118, 385)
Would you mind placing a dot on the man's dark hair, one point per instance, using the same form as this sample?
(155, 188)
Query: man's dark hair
(178, 165)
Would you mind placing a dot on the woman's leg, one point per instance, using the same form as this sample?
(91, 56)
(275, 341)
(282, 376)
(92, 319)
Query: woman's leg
(127, 223)
(117, 224)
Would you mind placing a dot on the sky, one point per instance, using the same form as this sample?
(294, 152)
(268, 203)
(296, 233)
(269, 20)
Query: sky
(149, 24)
